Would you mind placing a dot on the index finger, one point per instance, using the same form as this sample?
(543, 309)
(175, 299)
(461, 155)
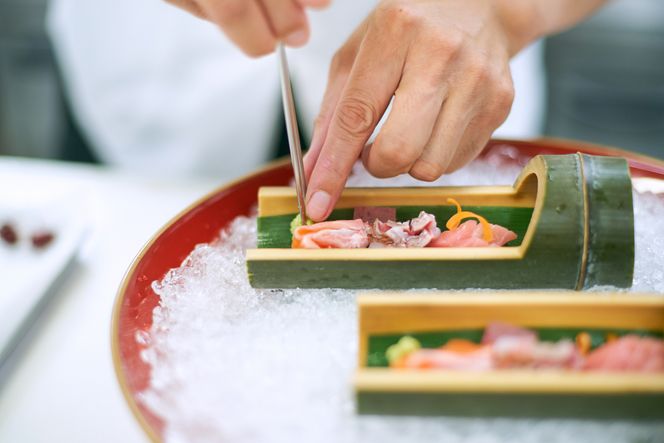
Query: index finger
(372, 81)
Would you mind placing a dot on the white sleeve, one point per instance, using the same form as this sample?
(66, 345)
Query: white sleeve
(159, 91)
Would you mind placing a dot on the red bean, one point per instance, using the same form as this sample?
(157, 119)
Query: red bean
(8, 234)
(41, 239)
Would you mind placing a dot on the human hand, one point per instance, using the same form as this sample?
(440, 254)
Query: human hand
(446, 64)
(255, 26)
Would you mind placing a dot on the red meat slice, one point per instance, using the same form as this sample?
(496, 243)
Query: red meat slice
(628, 353)
(469, 234)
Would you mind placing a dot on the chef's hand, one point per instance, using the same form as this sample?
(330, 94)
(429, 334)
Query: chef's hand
(446, 64)
(255, 26)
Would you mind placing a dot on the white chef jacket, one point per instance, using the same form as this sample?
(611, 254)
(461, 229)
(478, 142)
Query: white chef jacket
(157, 90)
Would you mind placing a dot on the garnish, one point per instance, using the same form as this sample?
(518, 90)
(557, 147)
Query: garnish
(456, 219)
(402, 348)
(583, 342)
(297, 222)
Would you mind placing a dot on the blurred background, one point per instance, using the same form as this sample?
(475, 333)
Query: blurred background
(174, 109)
(98, 81)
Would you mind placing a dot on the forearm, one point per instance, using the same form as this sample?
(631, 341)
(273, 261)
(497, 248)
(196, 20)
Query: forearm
(528, 20)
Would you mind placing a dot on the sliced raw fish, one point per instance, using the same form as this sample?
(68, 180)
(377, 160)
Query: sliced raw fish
(628, 353)
(347, 234)
(470, 234)
(416, 233)
(497, 329)
(526, 352)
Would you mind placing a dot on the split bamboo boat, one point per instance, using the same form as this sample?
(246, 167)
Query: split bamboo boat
(435, 318)
(572, 213)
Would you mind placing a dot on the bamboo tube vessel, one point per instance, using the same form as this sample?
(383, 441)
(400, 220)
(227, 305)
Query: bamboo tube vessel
(572, 213)
(435, 318)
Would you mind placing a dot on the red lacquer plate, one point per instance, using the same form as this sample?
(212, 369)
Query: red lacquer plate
(201, 223)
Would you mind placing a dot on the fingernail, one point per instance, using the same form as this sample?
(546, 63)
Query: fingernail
(318, 205)
(297, 38)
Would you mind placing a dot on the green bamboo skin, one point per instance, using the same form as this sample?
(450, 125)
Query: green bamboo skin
(610, 258)
(638, 406)
(554, 250)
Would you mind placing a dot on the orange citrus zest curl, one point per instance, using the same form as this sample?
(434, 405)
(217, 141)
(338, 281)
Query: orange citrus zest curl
(455, 220)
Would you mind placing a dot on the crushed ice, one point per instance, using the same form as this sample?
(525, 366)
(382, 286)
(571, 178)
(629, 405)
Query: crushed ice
(231, 363)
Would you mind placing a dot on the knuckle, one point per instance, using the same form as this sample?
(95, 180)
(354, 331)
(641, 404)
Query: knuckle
(391, 159)
(426, 170)
(505, 94)
(467, 154)
(479, 68)
(500, 103)
(447, 44)
(356, 116)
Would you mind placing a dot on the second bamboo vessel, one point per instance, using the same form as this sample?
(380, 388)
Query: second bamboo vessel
(572, 213)
(435, 318)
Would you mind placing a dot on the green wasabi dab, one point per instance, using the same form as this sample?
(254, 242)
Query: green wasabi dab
(400, 349)
(297, 222)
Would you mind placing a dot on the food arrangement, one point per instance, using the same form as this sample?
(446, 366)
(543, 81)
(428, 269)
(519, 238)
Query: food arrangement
(555, 354)
(505, 346)
(371, 228)
(567, 222)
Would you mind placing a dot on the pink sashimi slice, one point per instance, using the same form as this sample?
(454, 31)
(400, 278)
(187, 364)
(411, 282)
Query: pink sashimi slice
(628, 353)
(348, 234)
(416, 233)
(423, 222)
(469, 234)
(511, 352)
(501, 235)
(497, 329)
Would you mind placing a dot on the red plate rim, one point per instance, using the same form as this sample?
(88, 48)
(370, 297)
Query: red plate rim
(126, 350)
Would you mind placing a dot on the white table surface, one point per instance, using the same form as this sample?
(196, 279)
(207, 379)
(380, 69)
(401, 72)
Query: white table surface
(62, 386)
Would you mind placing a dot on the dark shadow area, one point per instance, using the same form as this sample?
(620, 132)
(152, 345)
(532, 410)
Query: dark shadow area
(605, 78)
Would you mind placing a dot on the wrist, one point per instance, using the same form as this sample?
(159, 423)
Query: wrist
(520, 21)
